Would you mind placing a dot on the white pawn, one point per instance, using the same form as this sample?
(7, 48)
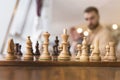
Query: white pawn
(112, 53)
(79, 51)
(28, 55)
(10, 50)
(107, 48)
(84, 55)
(45, 55)
(95, 56)
(91, 48)
(64, 54)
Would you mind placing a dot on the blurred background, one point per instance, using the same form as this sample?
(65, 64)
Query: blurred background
(22, 18)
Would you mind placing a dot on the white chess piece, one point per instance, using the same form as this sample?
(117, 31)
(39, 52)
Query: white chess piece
(95, 56)
(28, 55)
(79, 51)
(10, 50)
(112, 53)
(91, 48)
(64, 54)
(45, 54)
(107, 48)
(84, 55)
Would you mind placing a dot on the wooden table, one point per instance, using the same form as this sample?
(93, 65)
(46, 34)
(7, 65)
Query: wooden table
(59, 70)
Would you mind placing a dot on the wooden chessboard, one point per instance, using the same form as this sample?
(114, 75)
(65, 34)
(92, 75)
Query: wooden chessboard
(54, 63)
(58, 70)
(59, 63)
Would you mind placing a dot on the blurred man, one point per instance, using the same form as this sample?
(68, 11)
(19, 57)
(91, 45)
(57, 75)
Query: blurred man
(95, 29)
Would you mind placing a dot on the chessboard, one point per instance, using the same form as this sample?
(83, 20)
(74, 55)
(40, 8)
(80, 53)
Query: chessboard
(61, 55)
(55, 63)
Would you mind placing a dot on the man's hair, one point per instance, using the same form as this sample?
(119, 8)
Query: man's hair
(91, 9)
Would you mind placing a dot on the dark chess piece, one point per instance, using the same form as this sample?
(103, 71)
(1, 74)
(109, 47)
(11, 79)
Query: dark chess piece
(69, 48)
(55, 47)
(16, 48)
(37, 52)
(19, 50)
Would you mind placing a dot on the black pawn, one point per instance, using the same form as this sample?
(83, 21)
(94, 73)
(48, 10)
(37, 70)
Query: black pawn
(37, 52)
(69, 49)
(55, 47)
(19, 50)
(16, 48)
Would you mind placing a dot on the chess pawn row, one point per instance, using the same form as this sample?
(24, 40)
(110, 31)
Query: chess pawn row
(110, 52)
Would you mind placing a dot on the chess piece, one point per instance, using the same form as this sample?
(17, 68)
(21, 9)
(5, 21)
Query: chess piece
(16, 48)
(112, 53)
(10, 50)
(91, 48)
(19, 50)
(45, 54)
(60, 48)
(64, 54)
(107, 48)
(69, 49)
(78, 51)
(84, 55)
(55, 47)
(29, 54)
(95, 56)
(37, 52)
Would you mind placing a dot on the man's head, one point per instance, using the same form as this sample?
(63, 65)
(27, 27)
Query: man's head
(91, 15)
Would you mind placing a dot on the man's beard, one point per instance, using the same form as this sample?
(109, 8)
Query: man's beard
(92, 27)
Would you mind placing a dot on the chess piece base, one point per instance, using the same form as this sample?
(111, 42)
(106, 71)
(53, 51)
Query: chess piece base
(84, 58)
(28, 57)
(45, 57)
(63, 57)
(10, 57)
(112, 58)
(95, 58)
(105, 58)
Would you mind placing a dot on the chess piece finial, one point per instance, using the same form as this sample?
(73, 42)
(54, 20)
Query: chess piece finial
(45, 54)
(95, 56)
(37, 52)
(84, 55)
(64, 55)
(78, 51)
(10, 50)
(107, 48)
(112, 53)
(29, 54)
